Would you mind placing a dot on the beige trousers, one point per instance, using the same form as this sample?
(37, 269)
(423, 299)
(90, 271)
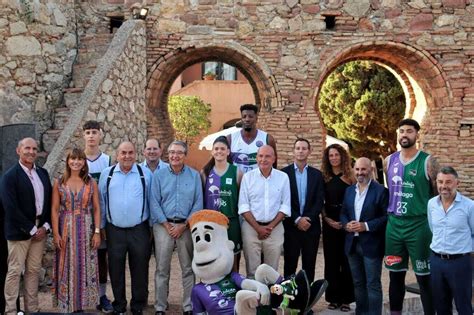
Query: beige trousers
(271, 248)
(23, 255)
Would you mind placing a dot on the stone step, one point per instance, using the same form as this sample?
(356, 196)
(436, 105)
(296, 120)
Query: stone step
(90, 56)
(49, 139)
(71, 99)
(61, 117)
(82, 74)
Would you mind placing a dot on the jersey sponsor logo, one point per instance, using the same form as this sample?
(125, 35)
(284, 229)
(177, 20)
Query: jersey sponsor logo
(226, 193)
(412, 172)
(422, 264)
(223, 303)
(392, 260)
(228, 181)
(259, 143)
(403, 194)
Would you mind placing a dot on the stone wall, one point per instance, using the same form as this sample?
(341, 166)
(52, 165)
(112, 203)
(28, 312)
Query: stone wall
(37, 49)
(115, 96)
(286, 50)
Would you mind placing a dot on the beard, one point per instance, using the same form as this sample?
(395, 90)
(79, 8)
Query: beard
(248, 129)
(408, 144)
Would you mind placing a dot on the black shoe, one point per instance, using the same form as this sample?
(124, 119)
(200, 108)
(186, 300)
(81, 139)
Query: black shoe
(137, 312)
(188, 313)
(160, 313)
(316, 291)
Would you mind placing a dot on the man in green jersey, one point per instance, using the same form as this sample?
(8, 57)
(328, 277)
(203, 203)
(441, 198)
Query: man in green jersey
(411, 176)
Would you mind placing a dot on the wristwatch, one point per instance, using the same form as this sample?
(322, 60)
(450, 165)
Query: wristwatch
(97, 231)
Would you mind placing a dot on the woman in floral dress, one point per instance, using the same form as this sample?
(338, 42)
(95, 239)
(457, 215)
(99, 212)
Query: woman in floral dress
(75, 217)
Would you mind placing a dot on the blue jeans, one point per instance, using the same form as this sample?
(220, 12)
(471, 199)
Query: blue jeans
(451, 280)
(366, 273)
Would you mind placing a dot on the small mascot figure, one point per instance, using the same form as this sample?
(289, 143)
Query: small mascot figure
(220, 290)
(224, 292)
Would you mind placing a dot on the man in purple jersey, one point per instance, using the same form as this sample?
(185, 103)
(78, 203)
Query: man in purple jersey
(410, 177)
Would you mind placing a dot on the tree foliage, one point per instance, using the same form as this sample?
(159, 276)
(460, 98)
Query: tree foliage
(362, 103)
(189, 116)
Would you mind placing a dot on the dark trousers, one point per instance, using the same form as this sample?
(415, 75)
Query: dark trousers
(3, 267)
(366, 273)
(451, 280)
(136, 242)
(298, 243)
(336, 267)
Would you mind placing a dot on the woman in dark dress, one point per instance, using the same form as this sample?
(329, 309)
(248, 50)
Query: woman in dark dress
(338, 175)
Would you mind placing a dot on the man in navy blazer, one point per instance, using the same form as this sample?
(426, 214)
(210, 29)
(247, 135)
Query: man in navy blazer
(26, 198)
(303, 228)
(364, 216)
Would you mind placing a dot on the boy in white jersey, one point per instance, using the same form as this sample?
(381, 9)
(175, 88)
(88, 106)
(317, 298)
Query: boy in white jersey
(245, 143)
(98, 161)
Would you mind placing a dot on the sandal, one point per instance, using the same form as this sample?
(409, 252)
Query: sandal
(345, 308)
(333, 306)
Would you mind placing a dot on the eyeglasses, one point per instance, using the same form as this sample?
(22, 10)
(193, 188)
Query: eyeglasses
(175, 152)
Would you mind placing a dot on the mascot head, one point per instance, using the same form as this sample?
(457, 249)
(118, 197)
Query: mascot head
(213, 251)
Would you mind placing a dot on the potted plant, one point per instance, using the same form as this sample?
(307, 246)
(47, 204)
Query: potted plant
(209, 76)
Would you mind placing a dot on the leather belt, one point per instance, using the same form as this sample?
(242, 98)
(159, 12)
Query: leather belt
(176, 220)
(449, 256)
(263, 223)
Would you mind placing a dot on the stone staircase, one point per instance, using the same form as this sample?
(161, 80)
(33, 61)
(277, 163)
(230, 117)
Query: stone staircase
(92, 48)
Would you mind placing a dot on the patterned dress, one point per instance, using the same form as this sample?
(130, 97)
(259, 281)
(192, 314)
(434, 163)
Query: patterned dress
(75, 271)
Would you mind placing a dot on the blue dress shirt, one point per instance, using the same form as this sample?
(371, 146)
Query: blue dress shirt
(302, 185)
(126, 196)
(453, 230)
(160, 165)
(175, 195)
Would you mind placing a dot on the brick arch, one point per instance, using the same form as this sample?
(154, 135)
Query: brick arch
(406, 61)
(167, 68)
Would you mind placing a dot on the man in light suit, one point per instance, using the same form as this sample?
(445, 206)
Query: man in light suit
(303, 228)
(26, 198)
(364, 216)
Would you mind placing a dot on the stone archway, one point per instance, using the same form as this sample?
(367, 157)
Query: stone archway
(417, 71)
(166, 68)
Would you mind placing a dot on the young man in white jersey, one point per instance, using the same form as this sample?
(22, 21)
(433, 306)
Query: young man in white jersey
(97, 162)
(245, 143)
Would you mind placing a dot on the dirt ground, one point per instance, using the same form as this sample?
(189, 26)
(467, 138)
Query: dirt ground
(175, 294)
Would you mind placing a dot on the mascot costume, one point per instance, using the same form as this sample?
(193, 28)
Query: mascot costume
(221, 291)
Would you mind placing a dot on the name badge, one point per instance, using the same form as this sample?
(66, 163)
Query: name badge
(228, 181)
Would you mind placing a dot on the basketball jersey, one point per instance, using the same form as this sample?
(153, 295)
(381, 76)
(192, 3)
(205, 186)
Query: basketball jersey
(98, 165)
(220, 192)
(409, 185)
(243, 154)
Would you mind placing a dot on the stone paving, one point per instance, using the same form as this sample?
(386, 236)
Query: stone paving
(411, 300)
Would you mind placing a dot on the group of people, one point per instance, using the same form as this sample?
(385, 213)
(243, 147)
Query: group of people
(102, 215)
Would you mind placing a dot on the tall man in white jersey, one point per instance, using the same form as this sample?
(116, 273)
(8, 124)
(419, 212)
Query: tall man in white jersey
(97, 161)
(245, 143)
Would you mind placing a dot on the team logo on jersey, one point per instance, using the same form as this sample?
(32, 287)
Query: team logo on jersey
(259, 143)
(412, 172)
(228, 181)
(392, 260)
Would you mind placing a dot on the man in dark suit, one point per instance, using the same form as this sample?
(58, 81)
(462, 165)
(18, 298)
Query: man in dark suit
(303, 228)
(364, 216)
(3, 258)
(26, 197)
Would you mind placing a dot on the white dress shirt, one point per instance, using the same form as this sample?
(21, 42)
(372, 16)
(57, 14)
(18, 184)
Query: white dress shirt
(265, 197)
(359, 203)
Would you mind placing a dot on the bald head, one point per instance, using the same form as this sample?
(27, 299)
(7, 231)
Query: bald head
(265, 159)
(126, 155)
(27, 150)
(363, 170)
